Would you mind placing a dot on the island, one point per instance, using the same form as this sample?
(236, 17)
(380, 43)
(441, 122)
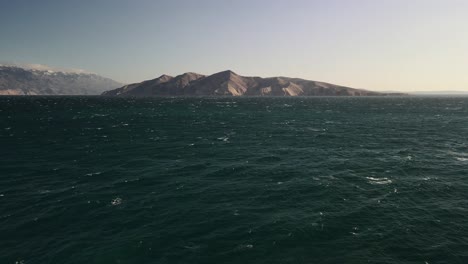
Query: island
(228, 83)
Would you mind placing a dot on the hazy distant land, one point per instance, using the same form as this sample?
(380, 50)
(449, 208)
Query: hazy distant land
(44, 80)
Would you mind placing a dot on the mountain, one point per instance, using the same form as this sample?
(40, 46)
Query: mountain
(44, 80)
(228, 83)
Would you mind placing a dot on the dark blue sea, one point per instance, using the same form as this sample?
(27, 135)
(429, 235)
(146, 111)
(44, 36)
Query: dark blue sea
(233, 180)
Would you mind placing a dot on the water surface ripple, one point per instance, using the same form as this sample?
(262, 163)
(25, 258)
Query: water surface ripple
(233, 180)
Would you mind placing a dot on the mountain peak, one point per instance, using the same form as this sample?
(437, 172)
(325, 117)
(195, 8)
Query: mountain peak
(191, 75)
(227, 73)
(188, 77)
(165, 76)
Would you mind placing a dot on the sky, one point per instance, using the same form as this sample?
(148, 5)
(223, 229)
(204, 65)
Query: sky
(382, 45)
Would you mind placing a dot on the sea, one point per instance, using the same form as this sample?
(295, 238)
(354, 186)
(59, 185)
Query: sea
(233, 180)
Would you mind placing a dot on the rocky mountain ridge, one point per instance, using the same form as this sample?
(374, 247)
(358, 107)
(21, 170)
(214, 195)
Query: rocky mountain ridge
(228, 83)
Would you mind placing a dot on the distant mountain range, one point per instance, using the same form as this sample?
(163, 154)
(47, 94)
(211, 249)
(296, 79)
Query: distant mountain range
(35, 79)
(228, 83)
(43, 80)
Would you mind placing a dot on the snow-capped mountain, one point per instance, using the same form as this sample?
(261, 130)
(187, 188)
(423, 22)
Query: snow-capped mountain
(36, 79)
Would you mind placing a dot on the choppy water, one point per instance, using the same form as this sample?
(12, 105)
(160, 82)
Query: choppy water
(227, 180)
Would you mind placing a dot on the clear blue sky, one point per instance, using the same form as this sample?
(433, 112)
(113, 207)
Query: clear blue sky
(374, 44)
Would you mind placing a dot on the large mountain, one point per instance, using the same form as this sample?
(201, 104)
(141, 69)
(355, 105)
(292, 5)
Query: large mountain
(227, 83)
(43, 80)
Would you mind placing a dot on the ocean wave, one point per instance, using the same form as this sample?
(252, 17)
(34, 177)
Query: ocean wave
(379, 181)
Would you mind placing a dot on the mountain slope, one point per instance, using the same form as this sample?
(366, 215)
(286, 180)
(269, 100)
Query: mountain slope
(228, 83)
(16, 80)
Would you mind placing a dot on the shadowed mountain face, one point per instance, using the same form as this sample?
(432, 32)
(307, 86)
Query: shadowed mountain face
(228, 83)
(21, 81)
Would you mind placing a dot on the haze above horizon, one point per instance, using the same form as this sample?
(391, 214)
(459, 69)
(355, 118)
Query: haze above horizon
(377, 45)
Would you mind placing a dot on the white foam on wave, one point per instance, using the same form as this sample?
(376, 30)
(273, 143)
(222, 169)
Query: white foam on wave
(460, 156)
(225, 139)
(245, 246)
(93, 173)
(116, 201)
(316, 129)
(379, 181)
